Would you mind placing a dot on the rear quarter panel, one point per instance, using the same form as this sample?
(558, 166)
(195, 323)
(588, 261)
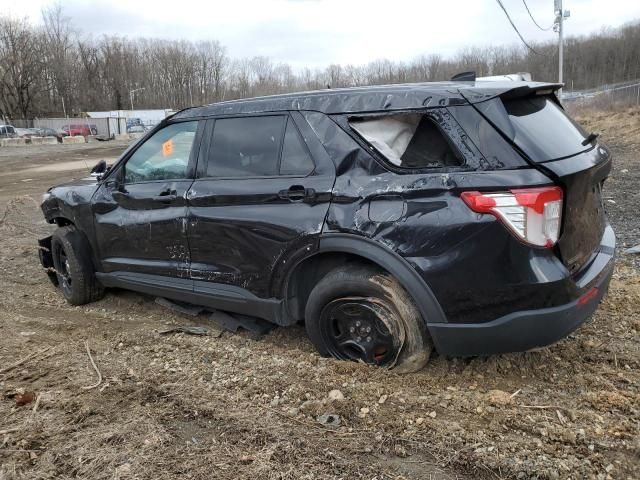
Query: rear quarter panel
(476, 269)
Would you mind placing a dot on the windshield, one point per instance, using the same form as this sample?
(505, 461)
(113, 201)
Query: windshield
(537, 125)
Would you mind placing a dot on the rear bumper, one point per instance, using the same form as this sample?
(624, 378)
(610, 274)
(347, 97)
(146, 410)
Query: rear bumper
(524, 330)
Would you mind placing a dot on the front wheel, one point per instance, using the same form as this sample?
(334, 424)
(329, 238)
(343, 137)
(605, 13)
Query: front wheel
(359, 313)
(73, 267)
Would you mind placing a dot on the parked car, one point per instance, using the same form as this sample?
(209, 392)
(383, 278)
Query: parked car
(136, 129)
(461, 216)
(50, 132)
(7, 131)
(25, 132)
(77, 129)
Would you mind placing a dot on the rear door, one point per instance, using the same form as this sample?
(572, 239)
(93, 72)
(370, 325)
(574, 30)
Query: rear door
(140, 210)
(259, 198)
(553, 142)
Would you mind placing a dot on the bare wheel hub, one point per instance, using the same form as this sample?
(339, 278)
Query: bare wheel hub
(357, 328)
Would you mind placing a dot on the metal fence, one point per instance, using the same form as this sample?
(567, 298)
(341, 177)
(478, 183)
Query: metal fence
(605, 97)
(81, 126)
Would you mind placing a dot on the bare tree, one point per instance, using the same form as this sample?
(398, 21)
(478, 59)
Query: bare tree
(20, 67)
(40, 66)
(59, 55)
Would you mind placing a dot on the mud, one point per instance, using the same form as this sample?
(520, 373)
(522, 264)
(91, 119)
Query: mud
(236, 407)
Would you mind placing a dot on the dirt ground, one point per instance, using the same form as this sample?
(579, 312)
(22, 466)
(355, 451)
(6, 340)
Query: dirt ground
(177, 406)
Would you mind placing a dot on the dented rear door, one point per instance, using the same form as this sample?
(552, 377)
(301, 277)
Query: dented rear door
(249, 216)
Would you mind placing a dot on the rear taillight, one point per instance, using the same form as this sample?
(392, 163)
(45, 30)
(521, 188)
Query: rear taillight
(533, 214)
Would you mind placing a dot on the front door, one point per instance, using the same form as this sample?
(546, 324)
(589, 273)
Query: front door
(259, 198)
(140, 210)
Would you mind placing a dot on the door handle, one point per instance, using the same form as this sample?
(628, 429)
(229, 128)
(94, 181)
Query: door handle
(166, 196)
(297, 193)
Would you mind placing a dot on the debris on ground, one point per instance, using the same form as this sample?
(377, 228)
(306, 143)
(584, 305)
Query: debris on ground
(180, 307)
(335, 395)
(191, 330)
(634, 249)
(233, 322)
(329, 420)
(24, 398)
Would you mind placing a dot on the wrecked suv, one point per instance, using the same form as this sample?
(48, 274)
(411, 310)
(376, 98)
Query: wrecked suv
(465, 217)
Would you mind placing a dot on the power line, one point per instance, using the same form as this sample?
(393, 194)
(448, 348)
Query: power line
(517, 31)
(534, 20)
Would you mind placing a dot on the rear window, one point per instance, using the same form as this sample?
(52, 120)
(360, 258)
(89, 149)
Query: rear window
(538, 126)
(408, 140)
(245, 147)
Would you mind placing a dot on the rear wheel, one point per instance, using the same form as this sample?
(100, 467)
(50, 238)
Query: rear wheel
(359, 313)
(73, 267)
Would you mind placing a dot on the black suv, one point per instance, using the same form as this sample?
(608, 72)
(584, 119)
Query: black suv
(461, 216)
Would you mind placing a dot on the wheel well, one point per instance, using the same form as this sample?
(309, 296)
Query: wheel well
(309, 272)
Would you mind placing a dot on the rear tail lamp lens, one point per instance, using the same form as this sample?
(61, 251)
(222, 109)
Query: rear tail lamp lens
(532, 214)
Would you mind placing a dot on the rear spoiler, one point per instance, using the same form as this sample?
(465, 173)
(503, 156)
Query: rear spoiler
(481, 92)
(526, 91)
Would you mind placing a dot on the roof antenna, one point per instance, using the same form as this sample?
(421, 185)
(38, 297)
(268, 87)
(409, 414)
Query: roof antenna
(464, 77)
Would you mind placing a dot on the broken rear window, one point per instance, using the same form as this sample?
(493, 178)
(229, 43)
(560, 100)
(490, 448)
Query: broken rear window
(408, 140)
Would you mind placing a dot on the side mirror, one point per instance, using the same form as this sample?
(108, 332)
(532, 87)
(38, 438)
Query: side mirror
(116, 181)
(99, 168)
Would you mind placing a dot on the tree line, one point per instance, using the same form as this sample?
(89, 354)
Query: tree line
(54, 69)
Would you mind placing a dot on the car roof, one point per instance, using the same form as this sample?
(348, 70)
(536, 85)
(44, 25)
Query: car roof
(370, 99)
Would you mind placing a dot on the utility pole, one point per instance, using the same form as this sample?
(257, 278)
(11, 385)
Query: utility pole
(131, 92)
(558, 26)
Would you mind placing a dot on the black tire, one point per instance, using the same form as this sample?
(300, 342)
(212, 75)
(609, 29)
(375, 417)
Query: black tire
(347, 313)
(72, 262)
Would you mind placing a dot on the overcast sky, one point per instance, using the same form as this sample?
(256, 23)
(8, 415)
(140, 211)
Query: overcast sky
(316, 33)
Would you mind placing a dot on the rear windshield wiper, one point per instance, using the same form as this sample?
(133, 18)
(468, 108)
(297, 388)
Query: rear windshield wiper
(590, 138)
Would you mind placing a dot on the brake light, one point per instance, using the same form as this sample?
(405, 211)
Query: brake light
(532, 214)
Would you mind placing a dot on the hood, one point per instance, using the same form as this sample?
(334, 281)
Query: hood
(78, 182)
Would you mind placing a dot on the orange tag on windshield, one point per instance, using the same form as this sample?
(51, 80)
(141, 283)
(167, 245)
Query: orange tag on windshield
(167, 148)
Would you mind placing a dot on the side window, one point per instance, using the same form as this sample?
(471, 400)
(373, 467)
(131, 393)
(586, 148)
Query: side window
(295, 156)
(3, 130)
(407, 140)
(164, 156)
(245, 147)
